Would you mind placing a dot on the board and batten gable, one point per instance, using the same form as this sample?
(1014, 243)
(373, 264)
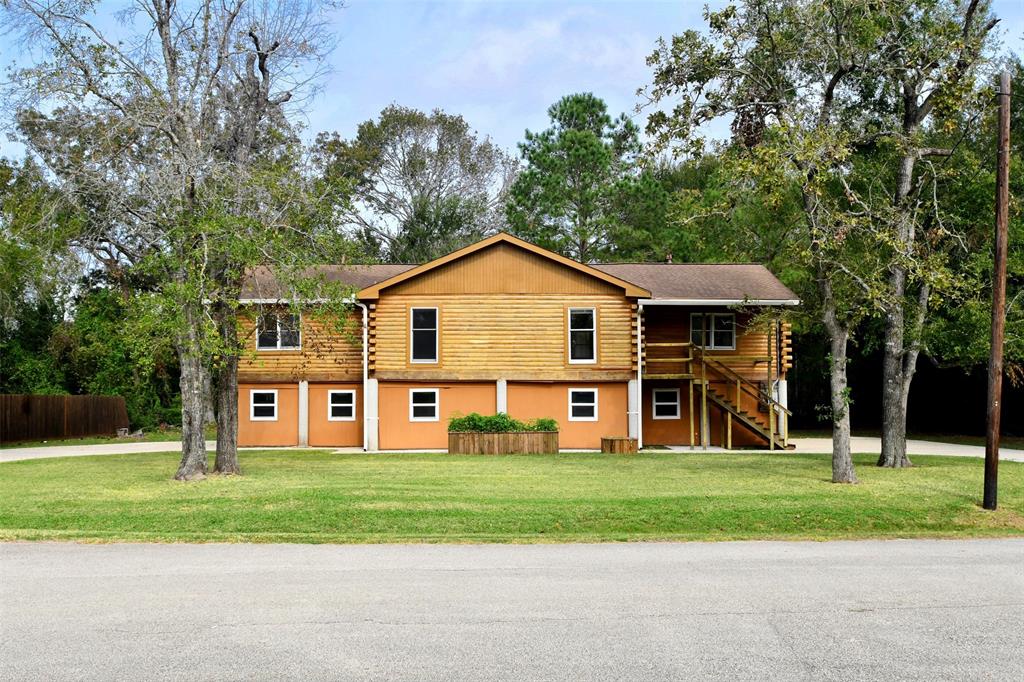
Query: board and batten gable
(327, 353)
(503, 313)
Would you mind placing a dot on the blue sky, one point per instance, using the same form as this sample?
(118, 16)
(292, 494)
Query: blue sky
(501, 64)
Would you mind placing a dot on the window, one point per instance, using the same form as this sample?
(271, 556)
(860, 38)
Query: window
(423, 325)
(423, 404)
(278, 332)
(721, 330)
(341, 406)
(583, 404)
(263, 405)
(582, 335)
(666, 403)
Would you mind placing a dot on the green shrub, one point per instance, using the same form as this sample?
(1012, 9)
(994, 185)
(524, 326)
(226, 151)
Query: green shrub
(498, 423)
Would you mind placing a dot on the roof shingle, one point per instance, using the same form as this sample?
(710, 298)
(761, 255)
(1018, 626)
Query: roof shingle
(703, 281)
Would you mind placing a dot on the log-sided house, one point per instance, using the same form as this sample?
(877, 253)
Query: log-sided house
(670, 354)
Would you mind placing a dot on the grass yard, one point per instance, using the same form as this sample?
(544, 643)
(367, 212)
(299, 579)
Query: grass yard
(317, 496)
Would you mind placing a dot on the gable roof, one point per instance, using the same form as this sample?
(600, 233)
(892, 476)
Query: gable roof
(725, 283)
(629, 288)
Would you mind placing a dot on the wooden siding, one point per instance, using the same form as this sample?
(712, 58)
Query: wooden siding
(668, 324)
(491, 336)
(326, 354)
(503, 269)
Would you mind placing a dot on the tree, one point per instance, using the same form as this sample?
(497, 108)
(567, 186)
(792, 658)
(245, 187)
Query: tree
(173, 142)
(421, 184)
(785, 72)
(582, 192)
(931, 56)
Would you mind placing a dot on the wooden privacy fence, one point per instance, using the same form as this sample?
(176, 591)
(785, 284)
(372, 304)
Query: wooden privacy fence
(506, 443)
(42, 417)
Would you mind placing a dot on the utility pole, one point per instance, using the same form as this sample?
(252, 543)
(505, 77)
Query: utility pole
(995, 361)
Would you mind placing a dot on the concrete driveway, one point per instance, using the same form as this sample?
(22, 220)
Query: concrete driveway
(924, 610)
(803, 445)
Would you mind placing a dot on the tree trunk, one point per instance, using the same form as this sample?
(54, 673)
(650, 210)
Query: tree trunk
(894, 403)
(842, 460)
(839, 336)
(226, 461)
(193, 403)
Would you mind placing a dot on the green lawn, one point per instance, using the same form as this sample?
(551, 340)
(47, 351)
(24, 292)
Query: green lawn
(315, 496)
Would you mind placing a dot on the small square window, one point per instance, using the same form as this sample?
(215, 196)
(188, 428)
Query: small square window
(665, 403)
(583, 404)
(424, 404)
(341, 406)
(263, 405)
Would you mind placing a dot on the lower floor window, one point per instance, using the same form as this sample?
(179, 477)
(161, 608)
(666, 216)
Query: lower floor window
(263, 405)
(341, 406)
(666, 403)
(423, 404)
(583, 404)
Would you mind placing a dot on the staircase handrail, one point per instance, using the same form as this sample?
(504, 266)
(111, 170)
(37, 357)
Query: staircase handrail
(749, 387)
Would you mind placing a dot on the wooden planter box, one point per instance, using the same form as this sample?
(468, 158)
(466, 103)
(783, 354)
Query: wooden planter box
(618, 445)
(508, 443)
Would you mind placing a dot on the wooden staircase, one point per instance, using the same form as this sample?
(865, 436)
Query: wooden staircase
(776, 433)
(774, 440)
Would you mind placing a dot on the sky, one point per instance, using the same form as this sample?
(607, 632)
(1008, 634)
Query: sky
(501, 64)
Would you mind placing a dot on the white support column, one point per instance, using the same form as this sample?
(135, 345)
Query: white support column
(782, 393)
(633, 402)
(303, 414)
(501, 388)
(371, 420)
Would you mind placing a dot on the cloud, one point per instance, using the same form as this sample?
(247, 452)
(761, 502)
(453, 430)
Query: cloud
(577, 39)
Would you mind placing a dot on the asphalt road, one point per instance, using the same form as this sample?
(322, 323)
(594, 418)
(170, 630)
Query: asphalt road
(740, 611)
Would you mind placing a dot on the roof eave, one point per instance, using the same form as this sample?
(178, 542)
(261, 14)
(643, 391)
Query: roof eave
(720, 301)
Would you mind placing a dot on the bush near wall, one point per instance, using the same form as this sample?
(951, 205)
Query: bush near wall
(498, 423)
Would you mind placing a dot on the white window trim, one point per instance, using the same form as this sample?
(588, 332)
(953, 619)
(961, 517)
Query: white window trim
(593, 391)
(330, 414)
(568, 341)
(655, 402)
(437, 338)
(252, 405)
(277, 319)
(437, 405)
(711, 330)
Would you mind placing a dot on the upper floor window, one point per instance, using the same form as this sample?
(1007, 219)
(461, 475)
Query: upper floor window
(423, 332)
(582, 335)
(719, 327)
(278, 331)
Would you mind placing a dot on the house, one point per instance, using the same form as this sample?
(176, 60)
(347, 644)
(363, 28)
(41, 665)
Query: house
(672, 354)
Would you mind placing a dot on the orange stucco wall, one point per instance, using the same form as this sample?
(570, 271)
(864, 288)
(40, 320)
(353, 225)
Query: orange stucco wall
(533, 400)
(283, 431)
(322, 431)
(397, 432)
